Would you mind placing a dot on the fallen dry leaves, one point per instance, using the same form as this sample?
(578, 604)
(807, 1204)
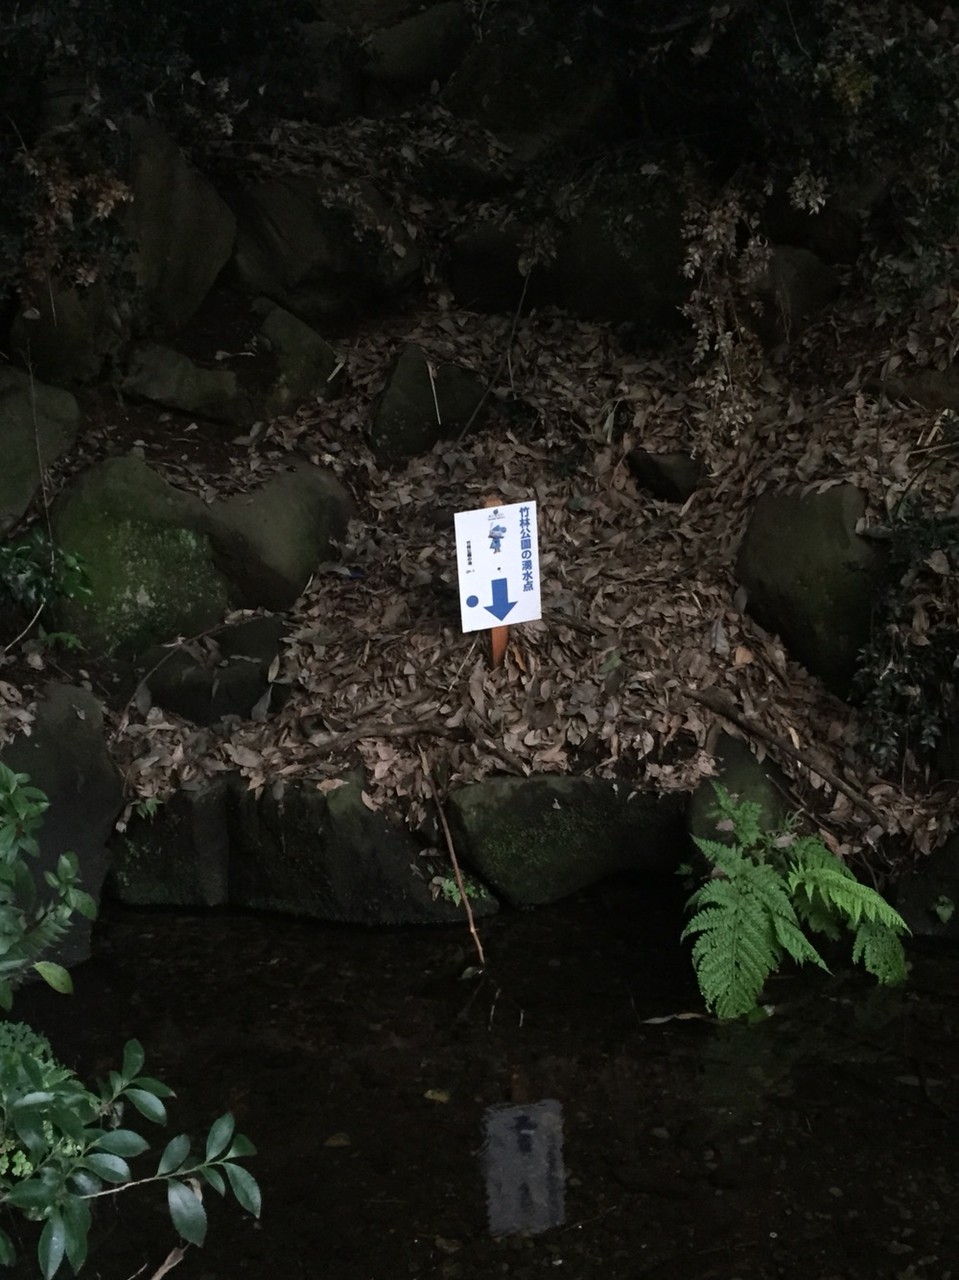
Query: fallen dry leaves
(638, 595)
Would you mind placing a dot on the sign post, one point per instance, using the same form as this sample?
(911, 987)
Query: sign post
(497, 562)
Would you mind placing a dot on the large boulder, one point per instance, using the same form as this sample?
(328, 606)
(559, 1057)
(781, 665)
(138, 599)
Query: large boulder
(67, 758)
(621, 260)
(320, 251)
(181, 236)
(927, 897)
(150, 564)
(177, 855)
(420, 50)
(522, 85)
(798, 285)
(229, 674)
(182, 229)
(269, 542)
(422, 404)
(812, 578)
(745, 778)
(331, 857)
(536, 840)
(167, 377)
(308, 367)
(38, 425)
(67, 336)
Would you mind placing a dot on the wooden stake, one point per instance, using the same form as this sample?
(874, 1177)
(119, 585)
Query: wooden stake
(498, 636)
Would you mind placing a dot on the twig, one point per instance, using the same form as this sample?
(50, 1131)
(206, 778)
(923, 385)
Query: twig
(173, 1259)
(719, 702)
(453, 859)
(502, 361)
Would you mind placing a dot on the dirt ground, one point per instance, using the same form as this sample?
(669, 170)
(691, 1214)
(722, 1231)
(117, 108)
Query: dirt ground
(821, 1144)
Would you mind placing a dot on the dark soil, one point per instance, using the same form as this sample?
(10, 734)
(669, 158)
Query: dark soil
(823, 1143)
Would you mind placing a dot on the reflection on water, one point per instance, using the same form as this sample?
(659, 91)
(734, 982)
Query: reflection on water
(523, 1159)
(821, 1144)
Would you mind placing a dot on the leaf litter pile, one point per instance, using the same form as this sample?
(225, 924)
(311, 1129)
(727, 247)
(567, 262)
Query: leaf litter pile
(643, 654)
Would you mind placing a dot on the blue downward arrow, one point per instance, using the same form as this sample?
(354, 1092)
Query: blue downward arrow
(501, 602)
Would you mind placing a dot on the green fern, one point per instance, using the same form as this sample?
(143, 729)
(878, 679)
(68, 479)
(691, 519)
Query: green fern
(745, 923)
(765, 889)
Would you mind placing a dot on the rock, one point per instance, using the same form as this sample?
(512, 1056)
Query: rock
(415, 409)
(319, 251)
(426, 47)
(228, 676)
(334, 91)
(485, 274)
(928, 897)
(671, 477)
(179, 856)
(181, 236)
(536, 840)
(744, 777)
(34, 420)
(67, 758)
(934, 389)
(269, 542)
(332, 858)
(522, 85)
(621, 261)
(798, 286)
(307, 363)
(149, 562)
(71, 334)
(812, 578)
(183, 231)
(166, 377)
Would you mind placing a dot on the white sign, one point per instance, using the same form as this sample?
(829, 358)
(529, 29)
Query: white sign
(497, 562)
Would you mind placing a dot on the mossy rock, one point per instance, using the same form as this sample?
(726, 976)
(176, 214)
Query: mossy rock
(812, 578)
(745, 778)
(149, 564)
(536, 840)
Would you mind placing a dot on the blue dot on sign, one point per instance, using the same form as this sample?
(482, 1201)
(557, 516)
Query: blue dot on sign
(472, 601)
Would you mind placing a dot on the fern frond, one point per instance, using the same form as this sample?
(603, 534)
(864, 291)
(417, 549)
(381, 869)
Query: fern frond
(879, 949)
(743, 817)
(843, 894)
(744, 922)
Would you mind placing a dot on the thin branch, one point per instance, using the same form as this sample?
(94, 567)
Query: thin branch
(723, 705)
(502, 362)
(453, 859)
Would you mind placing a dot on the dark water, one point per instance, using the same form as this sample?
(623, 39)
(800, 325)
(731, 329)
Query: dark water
(823, 1143)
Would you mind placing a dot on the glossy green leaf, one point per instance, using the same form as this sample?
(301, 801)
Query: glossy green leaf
(133, 1059)
(31, 1193)
(31, 1101)
(241, 1146)
(8, 1254)
(53, 1243)
(187, 1212)
(219, 1136)
(122, 1142)
(148, 1105)
(214, 1177)
(76, 1217)
(245, 1188)
(156, 1087)
(174, 1153)
(54, 975)
(109, 1168)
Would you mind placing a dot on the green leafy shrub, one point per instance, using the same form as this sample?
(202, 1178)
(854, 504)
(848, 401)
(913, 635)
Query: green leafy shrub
(64, 1145)
(35, 571)
(767, 890)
